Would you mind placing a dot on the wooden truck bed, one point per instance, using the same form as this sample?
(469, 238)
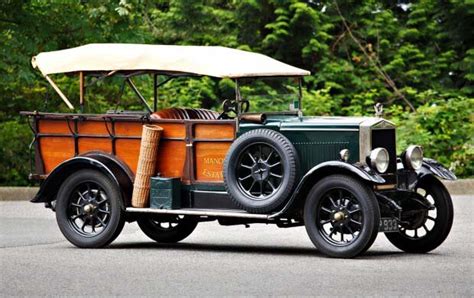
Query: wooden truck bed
(193, 150)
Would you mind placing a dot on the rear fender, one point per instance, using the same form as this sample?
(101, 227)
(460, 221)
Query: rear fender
(121, 171)
(103, 163)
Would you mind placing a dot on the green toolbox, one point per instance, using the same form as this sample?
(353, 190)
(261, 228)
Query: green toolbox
(165, 193)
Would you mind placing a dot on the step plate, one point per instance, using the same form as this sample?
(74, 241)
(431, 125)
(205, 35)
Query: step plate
(200, 212)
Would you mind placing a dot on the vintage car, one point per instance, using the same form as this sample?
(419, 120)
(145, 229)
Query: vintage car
(340, 177)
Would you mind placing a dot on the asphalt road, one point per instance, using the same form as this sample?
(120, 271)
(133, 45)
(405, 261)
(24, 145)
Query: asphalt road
(215, 260)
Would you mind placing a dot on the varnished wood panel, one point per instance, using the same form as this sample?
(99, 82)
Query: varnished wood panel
(128, 150)
(214, 131)
(55, 150)
(170, 161)
(93, 127)
(54, 126)
(171, 153)
(128, 128)
(172, 130)
(209, 159)
(94, 144)
(171, 158)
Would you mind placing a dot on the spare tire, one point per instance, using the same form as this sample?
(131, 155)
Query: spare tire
(260, 170)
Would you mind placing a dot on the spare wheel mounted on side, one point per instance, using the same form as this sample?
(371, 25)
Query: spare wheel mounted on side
(260, 170)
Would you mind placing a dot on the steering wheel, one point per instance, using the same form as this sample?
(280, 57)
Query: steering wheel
(244, 106)
(231, 106)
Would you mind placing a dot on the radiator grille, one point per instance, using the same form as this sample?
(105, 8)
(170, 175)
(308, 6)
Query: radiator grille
(385, 138)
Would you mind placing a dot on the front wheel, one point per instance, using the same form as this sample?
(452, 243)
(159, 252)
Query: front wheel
(89, 209)
(341, 216)
(167, 229)
(425, 229)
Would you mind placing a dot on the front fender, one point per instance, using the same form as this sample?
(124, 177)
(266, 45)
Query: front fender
(325, 169)
(338, 166)
(51, 185)
(432, 167)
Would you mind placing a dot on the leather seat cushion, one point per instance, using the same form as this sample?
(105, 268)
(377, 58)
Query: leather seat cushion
(185, 113)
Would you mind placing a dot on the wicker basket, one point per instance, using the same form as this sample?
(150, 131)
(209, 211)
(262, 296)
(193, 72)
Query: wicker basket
(146, 165)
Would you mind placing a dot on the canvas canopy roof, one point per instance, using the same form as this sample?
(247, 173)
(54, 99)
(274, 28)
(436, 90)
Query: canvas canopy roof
(212, 61)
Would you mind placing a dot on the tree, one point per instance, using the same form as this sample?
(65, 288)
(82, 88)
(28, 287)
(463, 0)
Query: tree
(400, 53)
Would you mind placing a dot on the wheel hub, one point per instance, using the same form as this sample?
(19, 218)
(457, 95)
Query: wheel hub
(260, 171)
(339, 216)
(89, 208)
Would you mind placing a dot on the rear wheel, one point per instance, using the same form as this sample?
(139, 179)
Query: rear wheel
(89, 209)
(341, 216)
(424, 229)
(167, 229)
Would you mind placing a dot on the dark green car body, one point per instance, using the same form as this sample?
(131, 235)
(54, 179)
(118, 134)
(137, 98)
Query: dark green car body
(317, 139)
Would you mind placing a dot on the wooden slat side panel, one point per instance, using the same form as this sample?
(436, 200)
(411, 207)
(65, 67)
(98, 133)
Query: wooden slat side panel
(128, 128)
(171, 158)
(93, 127)
(54, 127)
(172, 130)
(55, 150)
(214, 131)
(95, 144)
(209, 159)
(128, 150)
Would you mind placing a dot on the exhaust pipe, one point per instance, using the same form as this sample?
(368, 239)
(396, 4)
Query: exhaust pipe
(253, 118)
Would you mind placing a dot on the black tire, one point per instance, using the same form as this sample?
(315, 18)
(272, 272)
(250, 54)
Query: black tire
(260, 170)
(167, 229)
(435, 224)
(340, 207)
(89, 209)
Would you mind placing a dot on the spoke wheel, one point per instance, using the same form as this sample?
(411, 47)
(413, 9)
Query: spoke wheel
(89, 209)
(425, 225)
(341, 216)
(167, 229)
(259, 171)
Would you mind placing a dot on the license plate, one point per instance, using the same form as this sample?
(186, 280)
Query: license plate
(388, 225)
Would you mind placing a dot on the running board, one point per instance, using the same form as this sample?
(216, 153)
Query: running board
(200, 212)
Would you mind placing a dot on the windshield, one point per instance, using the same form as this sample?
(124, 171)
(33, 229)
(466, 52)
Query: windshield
(274, 94)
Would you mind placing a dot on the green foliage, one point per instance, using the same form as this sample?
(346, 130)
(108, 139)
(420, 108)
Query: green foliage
(15, 138)
(319, 102)
(444, 128)
(423, 49)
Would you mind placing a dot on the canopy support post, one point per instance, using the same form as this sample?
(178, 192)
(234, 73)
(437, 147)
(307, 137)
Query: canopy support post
(300, 97)
(155, 92)
(81, 91)
(140, 96)
(59, 92)
(238, 98)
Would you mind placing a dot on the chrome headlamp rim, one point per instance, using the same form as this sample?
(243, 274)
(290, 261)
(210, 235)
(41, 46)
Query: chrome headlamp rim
(379, 159)
(344, 154)
(414, 157)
